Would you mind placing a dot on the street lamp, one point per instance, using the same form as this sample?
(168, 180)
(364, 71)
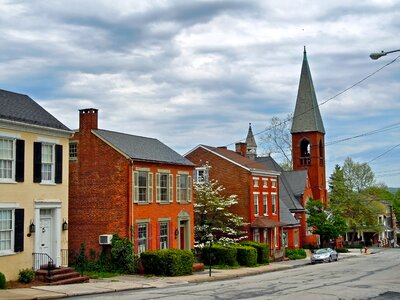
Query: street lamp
(210, 239)
(377, 55)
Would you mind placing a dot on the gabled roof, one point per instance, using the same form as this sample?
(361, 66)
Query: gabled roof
(297, 181)
(21, 108)
(238, 159)
(265, 222)
(287, 195)
(142, 148)
(269, 162)
(306, 115)
(286, 216)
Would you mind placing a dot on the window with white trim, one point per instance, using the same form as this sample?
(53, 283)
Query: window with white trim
(273, 202)
(142, 187)
(142, 237)
(201, 175)
(184, 188)
(6, 231)
(164, 187)
(256, 235)
(48, 162)
(73, 150)
(265, 182)
(164, 230)
(265, 204)
(7, 159)
(273, 183)
(255, 181)
(256, 207)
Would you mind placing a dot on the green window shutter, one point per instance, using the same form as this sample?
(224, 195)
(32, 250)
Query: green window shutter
(150, 187)
(135, 185)
(178, 190)
(171, 188)
(158, 191)
(189, 190)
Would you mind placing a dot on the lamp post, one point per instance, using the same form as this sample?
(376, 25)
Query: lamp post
(377, 55)
(210, 239)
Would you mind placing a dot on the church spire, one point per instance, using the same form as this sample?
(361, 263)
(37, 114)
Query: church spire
(307, 116)
(251, 144)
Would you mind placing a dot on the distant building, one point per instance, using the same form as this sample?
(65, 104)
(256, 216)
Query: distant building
(33, 185)
(133, 186)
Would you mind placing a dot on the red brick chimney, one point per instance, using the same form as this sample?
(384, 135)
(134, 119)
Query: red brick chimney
(88, 119)
(241, 148)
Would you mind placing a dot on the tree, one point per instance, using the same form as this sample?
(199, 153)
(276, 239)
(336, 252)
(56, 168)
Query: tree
(359, 176)
(212, 215)
(349, 197)
(278, 139)
(327, 222)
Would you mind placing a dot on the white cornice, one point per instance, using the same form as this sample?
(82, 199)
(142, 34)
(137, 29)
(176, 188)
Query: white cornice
(26, 127)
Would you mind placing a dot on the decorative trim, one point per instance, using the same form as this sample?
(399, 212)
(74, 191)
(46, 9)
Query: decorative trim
(183, 172)
(139, 221)
(20, 126)
(142, 169)
(10, 135)
(163, 219)
(48, 204)
(9, 205)
(47, 140)
(163, 171)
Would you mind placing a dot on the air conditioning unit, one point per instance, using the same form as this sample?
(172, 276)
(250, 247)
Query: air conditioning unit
(105, 239)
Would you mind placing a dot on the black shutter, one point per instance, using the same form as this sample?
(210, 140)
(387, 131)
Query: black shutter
(19, 230)
(59, 157)
(19, 164)
(37, 162)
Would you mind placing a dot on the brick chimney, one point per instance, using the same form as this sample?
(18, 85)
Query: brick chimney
(88, 119)
(241, 148)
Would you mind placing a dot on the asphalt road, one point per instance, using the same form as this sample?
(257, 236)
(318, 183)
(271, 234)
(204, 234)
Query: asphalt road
(375, 276)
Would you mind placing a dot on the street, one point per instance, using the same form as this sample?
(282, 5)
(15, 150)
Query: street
(364, 277)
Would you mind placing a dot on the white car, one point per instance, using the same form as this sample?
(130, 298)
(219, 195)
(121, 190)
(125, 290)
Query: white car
(324, 255)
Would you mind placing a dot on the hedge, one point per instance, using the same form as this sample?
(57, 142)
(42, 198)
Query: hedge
(220, 255)
(246, 256)
(262, 251)
(170, 262)
(295, 253)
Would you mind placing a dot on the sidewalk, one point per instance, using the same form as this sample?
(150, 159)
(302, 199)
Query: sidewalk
(131, 282)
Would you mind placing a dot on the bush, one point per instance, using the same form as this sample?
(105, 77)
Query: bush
(262, 251)
(2, 281)
(295, 253)
(246, 256)
(170, 262)
(220, 255)
(356, 245)
(342, 250)
(122, 255)
(26, 275)
(81, 260)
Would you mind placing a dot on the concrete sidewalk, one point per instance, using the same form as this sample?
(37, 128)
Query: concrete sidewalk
(131, 282)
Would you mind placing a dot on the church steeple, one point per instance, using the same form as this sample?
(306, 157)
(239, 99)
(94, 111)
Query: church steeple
(308, 134)
(251, 151)
(306, 115)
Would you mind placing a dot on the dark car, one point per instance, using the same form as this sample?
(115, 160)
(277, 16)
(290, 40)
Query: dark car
(324, 255)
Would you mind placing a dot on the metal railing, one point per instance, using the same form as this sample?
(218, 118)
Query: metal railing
(42, 260)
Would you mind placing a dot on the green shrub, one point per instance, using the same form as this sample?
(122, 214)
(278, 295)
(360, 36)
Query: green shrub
(296, 253)
(246, 256)
(342, 250)
(356, 245)
(220, 255)
(2, 281)
(81, 260)
(170, 262)
(122, 255)
(26, 275)
(262, 251)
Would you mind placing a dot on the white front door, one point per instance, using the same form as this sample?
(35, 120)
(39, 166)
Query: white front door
(45, 233)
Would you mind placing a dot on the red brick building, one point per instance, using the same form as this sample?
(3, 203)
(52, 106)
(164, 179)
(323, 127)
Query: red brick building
(133, 186)
(257, 189)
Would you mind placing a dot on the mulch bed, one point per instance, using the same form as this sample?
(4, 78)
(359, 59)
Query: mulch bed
(17, 285)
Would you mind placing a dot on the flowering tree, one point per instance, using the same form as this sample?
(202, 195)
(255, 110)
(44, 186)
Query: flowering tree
(212, 214)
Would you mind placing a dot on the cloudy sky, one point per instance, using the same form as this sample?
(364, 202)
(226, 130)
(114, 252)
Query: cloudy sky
(198, 72)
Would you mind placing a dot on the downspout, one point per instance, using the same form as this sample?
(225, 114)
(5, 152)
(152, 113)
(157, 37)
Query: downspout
(130, 201)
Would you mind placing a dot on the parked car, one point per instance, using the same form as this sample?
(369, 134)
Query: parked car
(324, 255)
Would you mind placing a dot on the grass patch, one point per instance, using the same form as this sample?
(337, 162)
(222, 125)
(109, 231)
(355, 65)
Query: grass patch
(97, 275)
(222, 267)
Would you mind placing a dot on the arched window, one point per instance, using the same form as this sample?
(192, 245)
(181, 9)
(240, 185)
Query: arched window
(305, 153)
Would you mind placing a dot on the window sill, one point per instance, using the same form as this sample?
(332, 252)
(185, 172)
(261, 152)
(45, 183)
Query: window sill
(47, 183)
(164, 202)
(8, 181)
(142, 203)
(7, 253)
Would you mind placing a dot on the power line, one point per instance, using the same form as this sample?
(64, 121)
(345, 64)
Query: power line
(326, 101)
(384, 153)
